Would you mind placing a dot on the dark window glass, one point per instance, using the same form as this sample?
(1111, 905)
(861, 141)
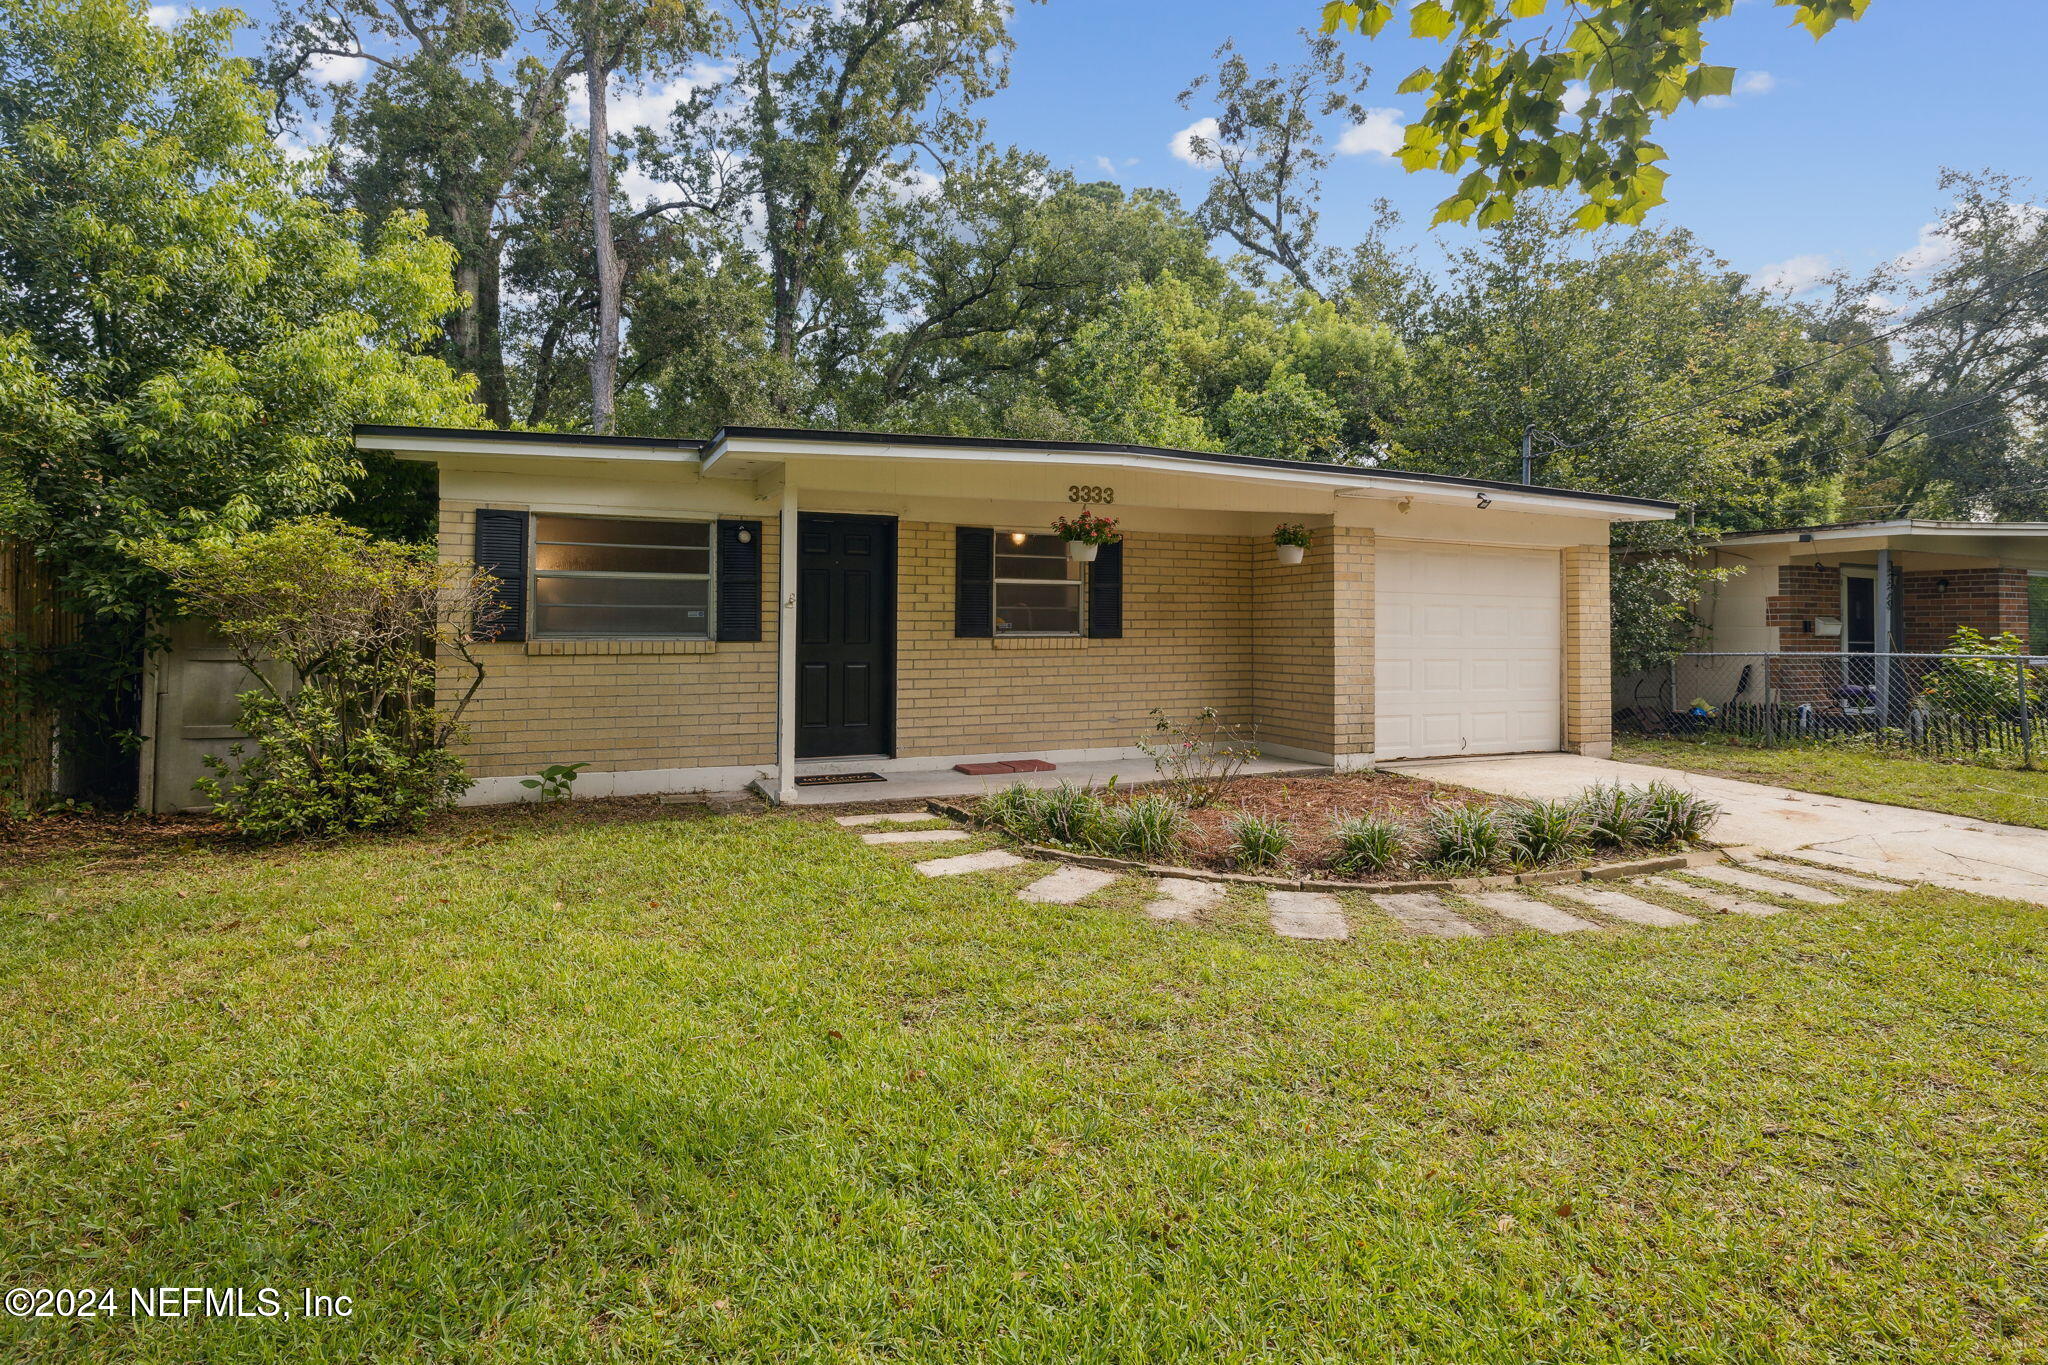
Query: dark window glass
(2037, 613)
(609, 576)
(1037, 588)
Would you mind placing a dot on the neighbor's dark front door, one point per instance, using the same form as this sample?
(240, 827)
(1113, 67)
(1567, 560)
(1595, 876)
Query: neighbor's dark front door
(846, 635)
(1859, 630)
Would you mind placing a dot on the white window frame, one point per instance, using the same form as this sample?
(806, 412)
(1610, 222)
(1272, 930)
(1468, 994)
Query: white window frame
(534, 573)
(1080, 583)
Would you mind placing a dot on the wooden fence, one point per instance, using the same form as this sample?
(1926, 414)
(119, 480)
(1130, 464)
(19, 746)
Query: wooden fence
(31, 630)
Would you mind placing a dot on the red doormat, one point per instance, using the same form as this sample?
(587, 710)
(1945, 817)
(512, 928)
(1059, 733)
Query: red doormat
(1015, 765)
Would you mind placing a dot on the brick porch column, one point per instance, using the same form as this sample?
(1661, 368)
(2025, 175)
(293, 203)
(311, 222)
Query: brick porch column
(1312, 649)
(1588, 680)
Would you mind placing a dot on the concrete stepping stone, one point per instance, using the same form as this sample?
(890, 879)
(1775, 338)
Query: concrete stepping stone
(1184, 899)
(1532, 912)
(1713, 900)
(1928, 868)
(1306, 914)
(887, 817)
(1422, 913)
(992, 860)
(1622, 906)
(915, 836)
(1067, 885)
(1844, 879)
(1770, 886)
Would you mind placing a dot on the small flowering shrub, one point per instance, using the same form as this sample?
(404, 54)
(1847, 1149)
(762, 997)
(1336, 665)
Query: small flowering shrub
(1199, 757)
(1087, 527)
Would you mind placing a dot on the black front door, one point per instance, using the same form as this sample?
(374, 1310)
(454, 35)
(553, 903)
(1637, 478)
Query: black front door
(1859, 628)
(846, 635)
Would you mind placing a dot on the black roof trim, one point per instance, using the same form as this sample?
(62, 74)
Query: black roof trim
(543, 438)
(1212, 456)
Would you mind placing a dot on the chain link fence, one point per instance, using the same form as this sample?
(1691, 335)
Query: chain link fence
(1986, 708)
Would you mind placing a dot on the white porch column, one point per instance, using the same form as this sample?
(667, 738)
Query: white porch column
(785, 649)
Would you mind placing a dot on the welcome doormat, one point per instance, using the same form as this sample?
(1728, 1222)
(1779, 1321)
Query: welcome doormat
(837, 779)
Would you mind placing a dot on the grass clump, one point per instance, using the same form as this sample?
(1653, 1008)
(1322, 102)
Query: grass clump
(1673, 817)
(1614, 816)
(1463, 840)
(1148, 829)
(1258, 841)
(1540, 832)
(1367, 845)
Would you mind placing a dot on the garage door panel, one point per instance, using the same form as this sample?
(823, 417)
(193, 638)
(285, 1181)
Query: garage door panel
(1469, 650)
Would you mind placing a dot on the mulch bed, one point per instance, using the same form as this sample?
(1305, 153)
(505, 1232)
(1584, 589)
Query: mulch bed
(1310, 806)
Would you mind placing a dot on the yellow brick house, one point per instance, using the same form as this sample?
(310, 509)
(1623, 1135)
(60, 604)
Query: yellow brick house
(770, 603)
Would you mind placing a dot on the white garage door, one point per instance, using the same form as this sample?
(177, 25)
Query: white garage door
(1470, 656)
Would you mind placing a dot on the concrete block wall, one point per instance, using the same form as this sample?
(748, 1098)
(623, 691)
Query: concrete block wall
(1312, 645)
(1186, 644)
(621, 705)
(1588, 681)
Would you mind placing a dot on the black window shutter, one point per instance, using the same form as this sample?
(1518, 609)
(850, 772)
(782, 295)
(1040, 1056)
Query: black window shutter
(1106, 593)
(501, 551)
(739, 580)
(974, 589)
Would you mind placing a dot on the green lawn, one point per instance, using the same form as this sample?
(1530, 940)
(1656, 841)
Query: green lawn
(2006, 795)
(546, 1087)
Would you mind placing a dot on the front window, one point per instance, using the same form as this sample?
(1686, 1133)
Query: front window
(607, 576)
(1038, 589)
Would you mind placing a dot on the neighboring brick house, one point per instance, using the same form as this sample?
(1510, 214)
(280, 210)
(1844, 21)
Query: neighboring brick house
(1819, 590)
(770, 604)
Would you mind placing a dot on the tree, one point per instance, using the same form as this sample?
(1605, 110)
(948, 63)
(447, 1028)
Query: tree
(1501, 103)
(451, 123)
(1950, 386)
(831, 106)
(1268, 151)
(609, 38)
(186, 335)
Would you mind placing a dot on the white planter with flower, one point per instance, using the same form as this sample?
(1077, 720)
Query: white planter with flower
(1291, 541)
(1085, 534)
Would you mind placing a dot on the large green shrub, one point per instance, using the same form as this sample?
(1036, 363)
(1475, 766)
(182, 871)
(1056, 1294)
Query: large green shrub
(339, 634)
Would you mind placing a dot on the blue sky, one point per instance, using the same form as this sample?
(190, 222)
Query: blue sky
(1827, 156)
(1830, 157)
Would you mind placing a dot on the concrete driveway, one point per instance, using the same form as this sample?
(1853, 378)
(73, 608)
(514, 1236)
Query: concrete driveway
(1954, 851)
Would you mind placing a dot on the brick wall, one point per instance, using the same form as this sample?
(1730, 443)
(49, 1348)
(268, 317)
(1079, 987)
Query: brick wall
(1312, 645)
(1588, 681)
(619, 704)
(1805, 591)
(1186, 644)
(1989, 600)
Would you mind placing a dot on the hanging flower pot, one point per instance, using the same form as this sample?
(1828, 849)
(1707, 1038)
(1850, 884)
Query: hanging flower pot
(1085, 534)
(1291, 541)
(1292, 554)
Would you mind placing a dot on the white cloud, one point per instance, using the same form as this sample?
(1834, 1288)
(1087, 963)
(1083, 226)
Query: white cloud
(1931, 249)
(1381, 132)
(1750, 83)
(1112, 167)
(1576, 93)
(628, 107)
(1794, 276)
(165, 16)
(1182, 144)
(332, 70)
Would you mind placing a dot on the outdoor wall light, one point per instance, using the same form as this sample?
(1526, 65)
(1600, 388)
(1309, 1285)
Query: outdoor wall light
(1484, 502)
(746, 536)
(1941, 585)
(1016, 537)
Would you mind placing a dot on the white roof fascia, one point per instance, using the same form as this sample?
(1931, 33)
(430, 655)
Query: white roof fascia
(1362, 485)
(427, 447)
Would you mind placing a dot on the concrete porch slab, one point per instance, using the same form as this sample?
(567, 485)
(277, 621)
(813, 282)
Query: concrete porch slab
(925, 784)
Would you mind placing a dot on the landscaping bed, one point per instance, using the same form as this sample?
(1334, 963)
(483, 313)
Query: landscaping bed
(1365, 827)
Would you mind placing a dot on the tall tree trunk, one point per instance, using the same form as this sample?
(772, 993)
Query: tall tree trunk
(604, 351)
(494, 390)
